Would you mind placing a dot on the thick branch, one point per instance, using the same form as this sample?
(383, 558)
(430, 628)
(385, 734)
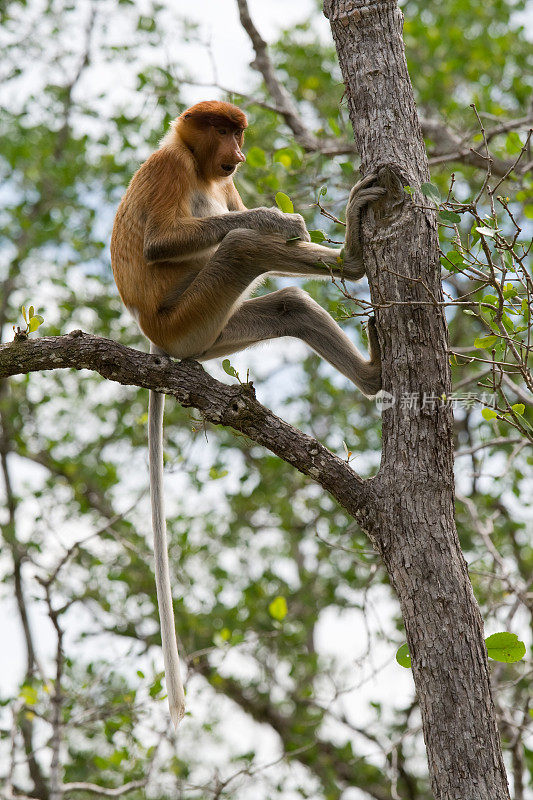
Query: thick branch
(220, 404)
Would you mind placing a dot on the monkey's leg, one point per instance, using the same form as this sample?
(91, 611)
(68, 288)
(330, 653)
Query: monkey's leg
(195, 319)
(271, 253)
(193, 325)
(291, 312)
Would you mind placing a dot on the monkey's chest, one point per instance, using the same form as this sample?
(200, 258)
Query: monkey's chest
(204, 205)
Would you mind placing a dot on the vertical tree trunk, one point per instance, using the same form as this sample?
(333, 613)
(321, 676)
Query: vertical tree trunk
(414, 527)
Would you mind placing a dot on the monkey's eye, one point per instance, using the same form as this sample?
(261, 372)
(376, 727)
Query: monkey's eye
(222, 131)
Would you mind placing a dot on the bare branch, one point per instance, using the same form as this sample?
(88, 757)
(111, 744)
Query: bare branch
(497, 442)
(450, 146)
(280, 95)
(283, 102)
(101, 791)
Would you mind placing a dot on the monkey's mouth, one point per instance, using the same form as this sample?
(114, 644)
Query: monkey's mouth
(228, 168)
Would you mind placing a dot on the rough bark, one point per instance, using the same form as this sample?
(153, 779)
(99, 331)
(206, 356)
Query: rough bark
(414, 528)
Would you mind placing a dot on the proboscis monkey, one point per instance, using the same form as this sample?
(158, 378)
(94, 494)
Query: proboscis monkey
(186, 255)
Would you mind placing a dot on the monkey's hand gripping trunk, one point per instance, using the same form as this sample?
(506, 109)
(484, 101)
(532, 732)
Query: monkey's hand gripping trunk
(176, 696)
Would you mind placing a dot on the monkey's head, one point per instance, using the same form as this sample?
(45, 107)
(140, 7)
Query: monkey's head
(214, 132)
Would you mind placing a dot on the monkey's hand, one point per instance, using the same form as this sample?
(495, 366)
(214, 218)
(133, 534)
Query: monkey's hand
(290, 226)
(362, 193)
(293, 227)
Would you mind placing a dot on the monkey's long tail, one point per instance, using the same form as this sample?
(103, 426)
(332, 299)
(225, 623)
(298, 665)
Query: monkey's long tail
(176, 696)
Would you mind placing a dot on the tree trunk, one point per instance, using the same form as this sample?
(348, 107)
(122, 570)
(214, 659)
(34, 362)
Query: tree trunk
(413, 524)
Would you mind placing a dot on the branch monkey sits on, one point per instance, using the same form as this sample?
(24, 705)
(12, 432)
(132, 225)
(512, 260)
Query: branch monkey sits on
(186, 254)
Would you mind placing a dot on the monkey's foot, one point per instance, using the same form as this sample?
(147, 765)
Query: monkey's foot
(363, 193)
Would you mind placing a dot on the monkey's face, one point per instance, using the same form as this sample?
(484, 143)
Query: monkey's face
(228, 154)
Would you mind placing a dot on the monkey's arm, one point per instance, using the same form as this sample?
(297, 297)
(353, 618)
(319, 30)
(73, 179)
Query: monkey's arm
(192, 235)
(234, 200)
(306, 259)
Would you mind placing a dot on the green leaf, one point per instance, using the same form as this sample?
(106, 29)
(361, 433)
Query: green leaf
(485, 342)
(332, 122)
(507, 323)
(455, 257)
(519, 408)
(145, 23)
(23, 309)
(215, 473)
(348, 168)
(35, 322)
(509, 291)
(431, 191)
(402, 656)
(409, 190)
(505, 647)
(31, 312)
(288, 156)
(256, 157)
(488, 414)
(228, 369)
(513, 143)
(284, 202)
(450, 216)
(284, 159)
(156, 686)
(486, 231)
(317, 236)
(29, 695)
(278, 608)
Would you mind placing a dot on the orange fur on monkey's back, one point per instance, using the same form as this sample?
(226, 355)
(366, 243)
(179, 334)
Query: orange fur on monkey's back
(158, 190)
(158, 196)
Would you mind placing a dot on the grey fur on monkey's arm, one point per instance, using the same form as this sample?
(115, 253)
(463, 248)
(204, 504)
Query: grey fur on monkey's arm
(198, 233)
